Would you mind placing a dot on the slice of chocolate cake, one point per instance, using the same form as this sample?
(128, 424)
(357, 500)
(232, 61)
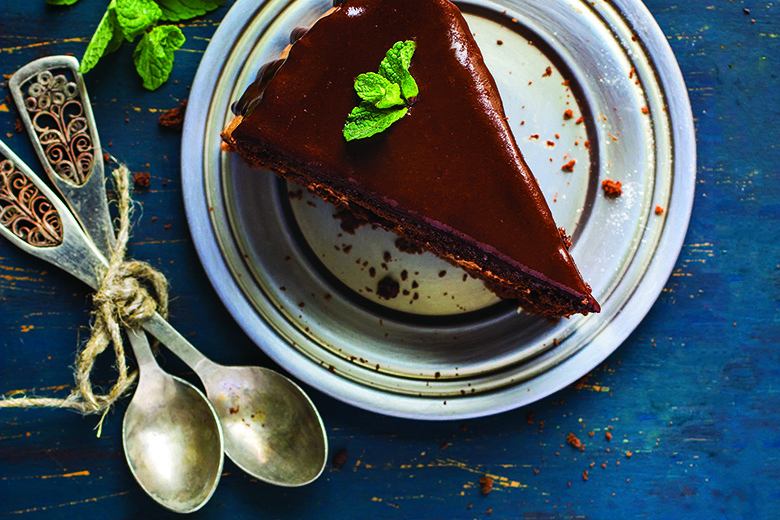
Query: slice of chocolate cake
(444, 172)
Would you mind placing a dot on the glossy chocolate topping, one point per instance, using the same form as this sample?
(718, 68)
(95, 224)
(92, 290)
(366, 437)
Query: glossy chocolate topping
(451, 161)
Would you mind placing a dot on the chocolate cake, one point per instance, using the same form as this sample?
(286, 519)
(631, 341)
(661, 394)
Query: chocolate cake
(447, 175)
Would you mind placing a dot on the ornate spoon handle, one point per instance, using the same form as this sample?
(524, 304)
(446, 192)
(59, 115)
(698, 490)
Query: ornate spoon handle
(35, 220)
(52, 100)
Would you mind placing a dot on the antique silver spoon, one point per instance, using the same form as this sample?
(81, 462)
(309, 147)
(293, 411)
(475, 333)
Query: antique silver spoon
(172, 436)
(272, 429)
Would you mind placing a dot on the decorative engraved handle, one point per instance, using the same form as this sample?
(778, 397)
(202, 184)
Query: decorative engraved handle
(35, 220)
(59, 121)
(25, 211)
(53, 103)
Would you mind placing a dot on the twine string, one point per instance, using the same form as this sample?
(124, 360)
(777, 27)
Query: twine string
(130, 293)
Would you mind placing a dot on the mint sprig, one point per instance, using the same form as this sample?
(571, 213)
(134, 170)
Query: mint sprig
(153, 57)
(126, 20)
(385, 96)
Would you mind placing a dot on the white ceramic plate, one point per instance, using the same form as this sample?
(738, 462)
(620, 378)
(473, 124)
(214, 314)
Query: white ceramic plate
(306, 291)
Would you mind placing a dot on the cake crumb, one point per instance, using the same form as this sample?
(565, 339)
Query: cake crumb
(574, 441)
(566, 238)
(499, 42)
(173, 119)
(659, 210)
(388, 288)
(485, 484)
(568, 114)
(612, 188)
(569, 166)
(142, 180)
(340, 458)
(407, 246)
(547, 72)
(349, 221)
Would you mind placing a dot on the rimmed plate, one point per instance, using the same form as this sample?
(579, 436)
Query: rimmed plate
(592, 91)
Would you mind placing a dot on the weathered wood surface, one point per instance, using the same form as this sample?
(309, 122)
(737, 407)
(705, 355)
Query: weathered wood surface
(691, 395)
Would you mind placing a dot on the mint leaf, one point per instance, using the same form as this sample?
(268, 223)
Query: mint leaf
(135, 16)
(395, 67)
(61, 2)
(378, 91)
(381, 94)
(176, 10)
(153, 57)
(107, 38)
(366, 120)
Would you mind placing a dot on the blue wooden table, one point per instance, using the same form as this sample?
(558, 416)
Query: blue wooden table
(690, 400)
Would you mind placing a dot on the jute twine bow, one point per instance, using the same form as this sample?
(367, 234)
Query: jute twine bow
(130, 293)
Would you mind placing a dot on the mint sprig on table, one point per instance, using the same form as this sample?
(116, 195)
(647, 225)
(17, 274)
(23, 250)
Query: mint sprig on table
(126, 20)
(385, 96)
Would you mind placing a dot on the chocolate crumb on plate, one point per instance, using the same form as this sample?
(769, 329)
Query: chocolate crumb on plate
(612, 188)
(388, 288)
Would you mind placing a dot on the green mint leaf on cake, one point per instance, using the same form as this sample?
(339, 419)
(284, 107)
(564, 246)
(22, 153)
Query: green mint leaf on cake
(385, 96)
(153, 57)
(378, 90)
(176, 10)
(395, 67)
(366, 120)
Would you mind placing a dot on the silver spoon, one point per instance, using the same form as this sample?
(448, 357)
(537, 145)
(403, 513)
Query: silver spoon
(172, 436)
(272, 429)
(172, 440)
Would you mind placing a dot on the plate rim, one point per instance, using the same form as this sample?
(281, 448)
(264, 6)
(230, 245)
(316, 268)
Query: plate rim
(609, 336)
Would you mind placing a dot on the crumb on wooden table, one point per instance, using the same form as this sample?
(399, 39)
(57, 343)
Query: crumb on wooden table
(340, 458)
(142, 180)
(485, 484)
(173, 118)
(574, 441)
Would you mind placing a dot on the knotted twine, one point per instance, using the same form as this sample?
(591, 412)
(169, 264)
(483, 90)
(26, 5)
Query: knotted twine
(130, 292)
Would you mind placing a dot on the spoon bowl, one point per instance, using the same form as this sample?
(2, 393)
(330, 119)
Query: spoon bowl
(271, 428)
(172, 437)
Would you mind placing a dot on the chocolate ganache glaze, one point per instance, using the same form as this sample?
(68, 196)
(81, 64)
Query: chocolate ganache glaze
(448, 175)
